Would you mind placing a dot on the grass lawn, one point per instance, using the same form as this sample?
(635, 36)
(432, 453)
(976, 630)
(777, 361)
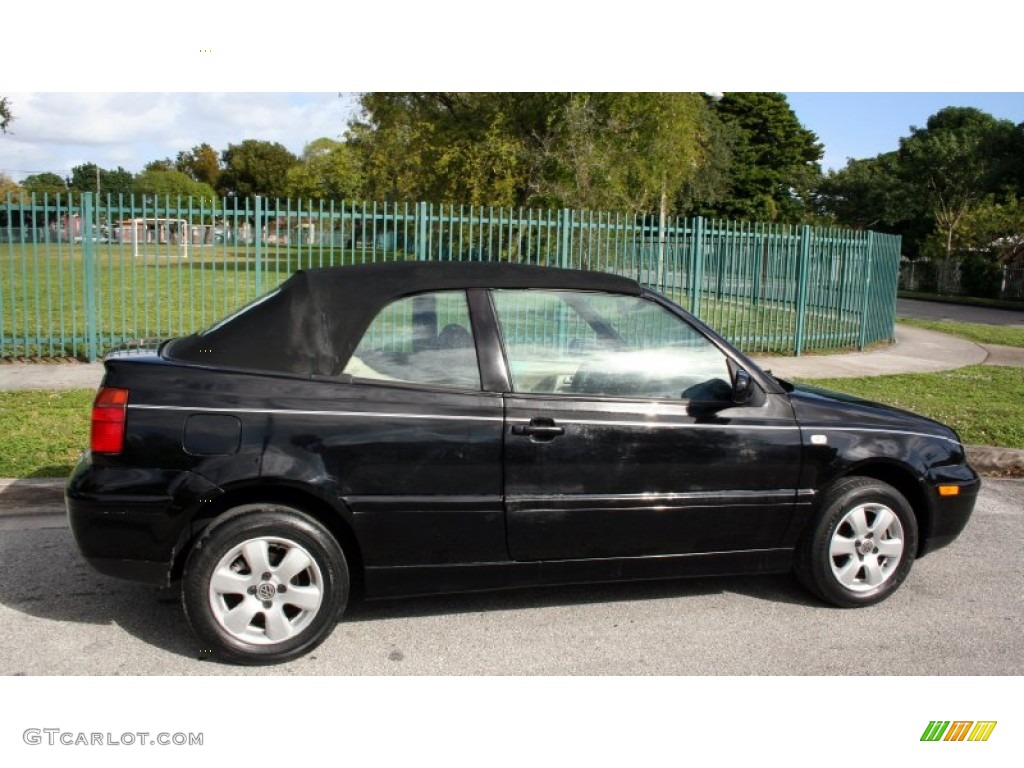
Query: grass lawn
(970, 301)
(44, 431)
(983, 403)
(159, 293)
(977, 332)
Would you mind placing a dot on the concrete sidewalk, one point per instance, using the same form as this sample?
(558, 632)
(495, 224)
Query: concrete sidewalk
(916, 350)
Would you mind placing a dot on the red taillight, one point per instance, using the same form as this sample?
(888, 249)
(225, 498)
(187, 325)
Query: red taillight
(108, 411)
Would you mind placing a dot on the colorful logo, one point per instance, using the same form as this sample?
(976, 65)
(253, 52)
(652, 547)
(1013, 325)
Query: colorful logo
(958, 730)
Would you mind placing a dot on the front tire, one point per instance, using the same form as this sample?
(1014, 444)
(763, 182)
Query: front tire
(264, 584)
(862, 545)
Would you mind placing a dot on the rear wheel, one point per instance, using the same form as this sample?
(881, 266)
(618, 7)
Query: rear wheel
(264, 584)
(862, 545)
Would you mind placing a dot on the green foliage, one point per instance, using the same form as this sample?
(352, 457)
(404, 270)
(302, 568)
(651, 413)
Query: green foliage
(619, 151)
(953, 162)
(9, 187)
(160, 181)
(201, 163)
(983, 403)
(328, 170)
(977, 332)
(6, 116)
(775, 160)
(866, 193)
(994, 228)
(255, 168)
(708, 186)
(159, 165)
(949, 189)
(44, 432)
(117, 182)
(44, 183)
(445, 147)
(979, 276)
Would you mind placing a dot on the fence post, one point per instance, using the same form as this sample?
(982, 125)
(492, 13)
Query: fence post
(697, 267)
(759, 259)
(422, 223)
(565, 238)
(865, 306)
(89, 273)
(661, 247)
(803, 268)
(258, 232)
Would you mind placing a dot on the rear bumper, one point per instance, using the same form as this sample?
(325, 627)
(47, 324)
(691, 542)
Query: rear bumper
(131, 523)
(126, 538)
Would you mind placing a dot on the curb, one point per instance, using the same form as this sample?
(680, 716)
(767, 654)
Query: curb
(31, 497)
(45, 496)
(988, 460)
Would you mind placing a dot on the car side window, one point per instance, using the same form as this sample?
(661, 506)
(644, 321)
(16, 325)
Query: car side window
(571, 342)
(423, 339)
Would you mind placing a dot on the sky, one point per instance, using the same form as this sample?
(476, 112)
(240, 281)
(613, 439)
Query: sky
(859, 125)
(53, 132)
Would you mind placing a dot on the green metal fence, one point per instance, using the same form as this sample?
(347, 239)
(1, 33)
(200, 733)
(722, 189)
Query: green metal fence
(81, 276)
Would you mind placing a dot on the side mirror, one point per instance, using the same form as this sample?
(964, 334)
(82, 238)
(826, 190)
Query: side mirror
(742, 386)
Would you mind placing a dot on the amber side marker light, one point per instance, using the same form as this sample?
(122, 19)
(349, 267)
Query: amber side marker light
(949, 490)
(108, 415)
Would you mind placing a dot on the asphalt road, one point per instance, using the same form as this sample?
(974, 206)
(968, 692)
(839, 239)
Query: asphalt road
(933, 310)
(960, 613)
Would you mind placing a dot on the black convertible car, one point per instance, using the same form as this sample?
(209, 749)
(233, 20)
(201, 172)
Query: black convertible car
(411, 428)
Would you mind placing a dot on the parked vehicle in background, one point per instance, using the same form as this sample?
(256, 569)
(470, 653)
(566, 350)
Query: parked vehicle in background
(410, 428)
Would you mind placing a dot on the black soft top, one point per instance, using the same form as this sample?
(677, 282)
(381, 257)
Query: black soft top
(311, 323)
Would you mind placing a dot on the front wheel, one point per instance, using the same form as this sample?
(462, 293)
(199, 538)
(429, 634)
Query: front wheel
(264, 584)
(862, 545)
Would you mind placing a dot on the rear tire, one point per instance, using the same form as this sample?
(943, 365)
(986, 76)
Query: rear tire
(861, 547)
(264, 584)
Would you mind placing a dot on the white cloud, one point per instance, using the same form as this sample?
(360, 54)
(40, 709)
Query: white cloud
(56, 131)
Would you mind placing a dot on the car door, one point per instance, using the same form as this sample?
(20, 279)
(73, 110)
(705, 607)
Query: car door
(418, 454)
(622, 438)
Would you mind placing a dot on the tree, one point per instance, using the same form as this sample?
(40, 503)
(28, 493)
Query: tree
(621, 151)
(6, 116)
(993, 227)
(159, 165)
(962, 162)
(256, 168)
(871, 193)
(445, 147)
(171, 183)
(961, 155)
(9, 186)
(201, 163)
(86, 178)
(45, 184)
(775, 160)
(866, 194)
(708, 185)
(328, 170)
(598, 150)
